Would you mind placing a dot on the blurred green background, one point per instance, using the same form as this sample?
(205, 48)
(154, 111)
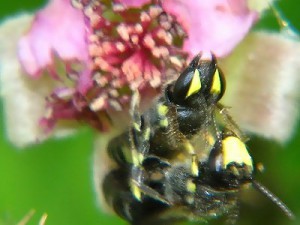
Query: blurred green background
(55, 177)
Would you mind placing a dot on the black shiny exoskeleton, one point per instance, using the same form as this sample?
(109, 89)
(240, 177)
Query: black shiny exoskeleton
(182, 159)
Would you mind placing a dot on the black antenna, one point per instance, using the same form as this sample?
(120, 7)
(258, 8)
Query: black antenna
(274, 199)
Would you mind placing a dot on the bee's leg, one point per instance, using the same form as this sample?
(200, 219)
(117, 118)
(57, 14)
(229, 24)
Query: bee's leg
(139, 135)
(212, 132)
(170, 216)
(153, 163)
(233, 215)
(117, 195)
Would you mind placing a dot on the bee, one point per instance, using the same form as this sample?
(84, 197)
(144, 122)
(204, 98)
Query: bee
(182, 159)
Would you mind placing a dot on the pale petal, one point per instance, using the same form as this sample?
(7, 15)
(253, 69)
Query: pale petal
(101, 167)
(134, 3)
(212, 25)
(259, 5)
(23, 98)
(57, 29)
(263, 84)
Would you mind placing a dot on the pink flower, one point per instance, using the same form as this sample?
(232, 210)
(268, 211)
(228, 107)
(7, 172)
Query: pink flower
(86, 59)
(95, 62)
(58, 30)
(216, 26)
(132, 49)
(210, 25)
(125, 52)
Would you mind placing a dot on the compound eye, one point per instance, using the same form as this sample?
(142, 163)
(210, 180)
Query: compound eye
(188, 83)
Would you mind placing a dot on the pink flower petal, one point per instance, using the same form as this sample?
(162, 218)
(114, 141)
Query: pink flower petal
(57, 29)
(212, 25)
(134, 3)
(262, 85)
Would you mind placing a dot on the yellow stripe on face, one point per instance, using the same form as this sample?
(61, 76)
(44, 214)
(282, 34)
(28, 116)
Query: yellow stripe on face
(234, 150)
(216, 83)
(195, 84)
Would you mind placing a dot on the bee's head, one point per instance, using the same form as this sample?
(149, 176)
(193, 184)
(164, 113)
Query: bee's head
(231, 166)
(230, 161)
(202, 76)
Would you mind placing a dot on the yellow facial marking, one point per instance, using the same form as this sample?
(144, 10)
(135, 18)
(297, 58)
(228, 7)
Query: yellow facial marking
(216, 83)
(234, 150)
(162, 109)
(191, 186)
(195, 84)
(194, 166)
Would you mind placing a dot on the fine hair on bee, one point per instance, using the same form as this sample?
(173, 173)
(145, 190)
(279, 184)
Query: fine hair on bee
(182, 159)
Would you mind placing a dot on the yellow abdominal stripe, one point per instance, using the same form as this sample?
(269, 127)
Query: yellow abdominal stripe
(216, 83)
(234, 150)
(195, 84)
(137, 158)
(136, 190)
(188, 147)
(194, 166)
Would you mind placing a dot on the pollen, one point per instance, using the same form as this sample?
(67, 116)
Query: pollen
(128, 50)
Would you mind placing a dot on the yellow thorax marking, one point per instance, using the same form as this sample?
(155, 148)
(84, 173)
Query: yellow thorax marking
(216, 83)
(195, 84)
(234, 150)
(191, 186)
(162, 109)
(164, 122)
(188, 147)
